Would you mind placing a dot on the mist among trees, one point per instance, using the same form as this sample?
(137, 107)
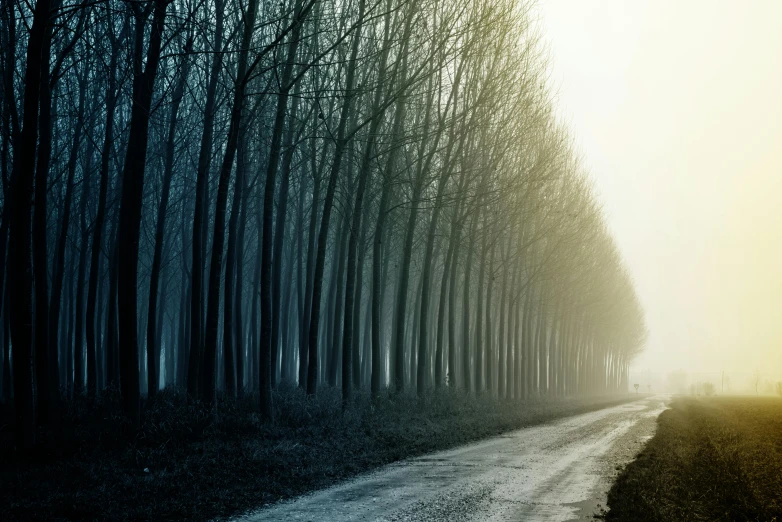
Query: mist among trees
(222, 196)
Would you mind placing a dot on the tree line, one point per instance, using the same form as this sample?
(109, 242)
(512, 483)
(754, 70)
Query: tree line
(224, 195)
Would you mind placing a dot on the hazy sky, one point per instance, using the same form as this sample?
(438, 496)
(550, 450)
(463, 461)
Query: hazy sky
(676, 107)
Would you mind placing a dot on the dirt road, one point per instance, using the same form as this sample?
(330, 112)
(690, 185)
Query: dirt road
(553, 472)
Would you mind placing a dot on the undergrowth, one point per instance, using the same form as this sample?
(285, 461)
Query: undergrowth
(189, 461)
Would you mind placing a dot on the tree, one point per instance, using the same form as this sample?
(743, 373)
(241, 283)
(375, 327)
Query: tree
(20, 240)
(400, 160)
(144, 74)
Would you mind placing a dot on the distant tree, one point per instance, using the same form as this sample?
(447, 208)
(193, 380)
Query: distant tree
(755, 381)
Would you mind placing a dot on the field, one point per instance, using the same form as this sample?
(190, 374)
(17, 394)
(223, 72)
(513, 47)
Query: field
(716, 459)
(189, 462)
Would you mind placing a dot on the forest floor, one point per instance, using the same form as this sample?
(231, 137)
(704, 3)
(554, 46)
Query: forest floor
(717, 458)
(186, 461)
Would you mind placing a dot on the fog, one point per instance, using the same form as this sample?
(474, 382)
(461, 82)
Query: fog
(677, 112)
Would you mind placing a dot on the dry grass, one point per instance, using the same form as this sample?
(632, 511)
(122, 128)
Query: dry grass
(715, 459)
(203, 464)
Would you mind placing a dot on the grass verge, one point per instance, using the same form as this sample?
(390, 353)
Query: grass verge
(716, 459)
(189, 462)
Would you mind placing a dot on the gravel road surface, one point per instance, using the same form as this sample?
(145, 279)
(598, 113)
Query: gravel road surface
(557, 471)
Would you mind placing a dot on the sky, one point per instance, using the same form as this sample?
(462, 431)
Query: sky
(676, 109)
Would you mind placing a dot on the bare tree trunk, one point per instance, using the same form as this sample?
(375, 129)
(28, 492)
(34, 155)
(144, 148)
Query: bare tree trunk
(415, 314)
(10, 133)
(439, 362)
(218, 241)
(78, 350)
(170, 352)
(466, 308)
(231, 268)
(6, 347)
(540, 347)
(426, 290)
(455, 239)
(488, 347)
(268, 347)
(356, 309)
(445, 173)
(338, 258)
(366, 361)
(62, 239)
(112, 342)
(194, 376)
(307, 356)
(340, 144)
(282, 208)
(20, 241)
(478, 356)
(400, 317)
(153, 346)
(377, 288)
(353, 290)
(184, 289)
(40, 258)
(551, 351)
(130, 205)
(518, 374)
(526, 345)
(287, 373)
(254, 368)
(100, 216)
(503, 345)
(241, 163)
(302, 374)
(511, 350)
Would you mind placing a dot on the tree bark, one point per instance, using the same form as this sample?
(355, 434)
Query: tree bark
(78, 350)
(62, 239)
(218, 237)
(267, 346)
(194, 376)
(100, 216)
(466, 367)
(153, 346)
(20, 241)
(340, 145)
(282, 210)
(40, 257)
(130, 204)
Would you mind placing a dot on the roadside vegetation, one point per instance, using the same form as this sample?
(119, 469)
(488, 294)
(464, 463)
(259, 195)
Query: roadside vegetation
(715, 458)
(190, 461)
